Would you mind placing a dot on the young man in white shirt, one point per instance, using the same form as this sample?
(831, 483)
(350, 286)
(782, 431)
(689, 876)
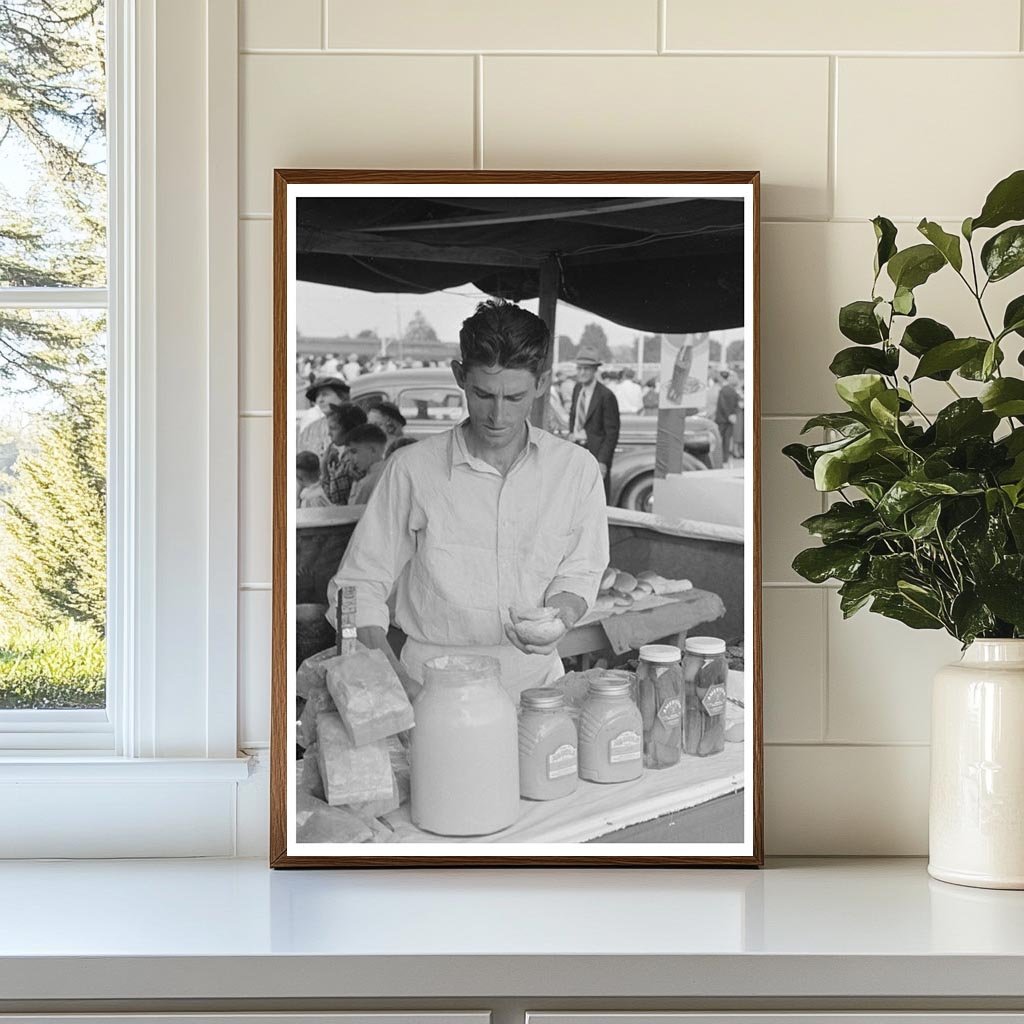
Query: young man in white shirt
(490, 516)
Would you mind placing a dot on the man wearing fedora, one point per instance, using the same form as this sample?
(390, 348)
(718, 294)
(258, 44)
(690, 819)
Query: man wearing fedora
(324, 394)
(594, 413)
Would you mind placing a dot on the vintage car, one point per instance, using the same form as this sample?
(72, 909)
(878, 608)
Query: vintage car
(430, 400)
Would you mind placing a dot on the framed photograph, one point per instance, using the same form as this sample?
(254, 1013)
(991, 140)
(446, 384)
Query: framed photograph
(516, 609)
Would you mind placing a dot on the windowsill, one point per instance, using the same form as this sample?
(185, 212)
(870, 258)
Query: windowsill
(822, 929)
(80, 766)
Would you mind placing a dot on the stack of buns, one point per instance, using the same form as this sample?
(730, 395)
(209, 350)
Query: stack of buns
(621, 589)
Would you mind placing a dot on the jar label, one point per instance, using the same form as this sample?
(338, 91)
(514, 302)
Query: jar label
(562, 761)
(627, 746)
(670, 713)
(714, 700)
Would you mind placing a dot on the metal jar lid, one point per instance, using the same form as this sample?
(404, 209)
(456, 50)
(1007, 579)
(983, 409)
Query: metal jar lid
(661, 653)
(542, 698)
(705, 645)
(610, 686)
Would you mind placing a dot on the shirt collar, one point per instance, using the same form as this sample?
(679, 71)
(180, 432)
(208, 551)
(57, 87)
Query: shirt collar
(459, 454)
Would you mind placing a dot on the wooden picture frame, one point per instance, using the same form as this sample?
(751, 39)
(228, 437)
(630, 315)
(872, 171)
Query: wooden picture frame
(715, 259)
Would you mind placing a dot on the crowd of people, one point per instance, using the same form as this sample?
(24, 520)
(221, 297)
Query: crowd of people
(342, 446)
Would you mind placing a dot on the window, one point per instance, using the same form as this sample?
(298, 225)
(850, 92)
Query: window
(438, 404)
(53, 367)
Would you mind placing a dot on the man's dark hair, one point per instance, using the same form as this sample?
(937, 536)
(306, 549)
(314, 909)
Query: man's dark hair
(307, 462)
(347, 416)
(399, 442)
(367, 433)
(391, 411)
(503, 334)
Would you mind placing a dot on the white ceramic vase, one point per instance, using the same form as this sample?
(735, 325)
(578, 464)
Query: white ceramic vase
(976, 814)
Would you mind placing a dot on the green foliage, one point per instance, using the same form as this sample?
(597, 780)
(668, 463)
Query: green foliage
(927, 525)
(52, 123)
(53, 520)
(60, 667)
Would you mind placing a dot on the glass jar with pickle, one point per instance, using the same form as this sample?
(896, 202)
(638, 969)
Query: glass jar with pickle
(659, 682)
(705, 675)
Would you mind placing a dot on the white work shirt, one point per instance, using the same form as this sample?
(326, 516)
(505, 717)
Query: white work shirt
(460, 544)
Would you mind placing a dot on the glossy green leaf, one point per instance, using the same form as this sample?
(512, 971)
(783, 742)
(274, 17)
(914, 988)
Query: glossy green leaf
(885, 409)
(991, 360)
(925, 518)
(974, 368)
(964, 418)
(857, 321)
(849, 361)
(911, 267)
(831, 471)
(965, 228)
(947, 244)
(854, 594)
(842, 521)
(900, 608)
(1013, 316)
(1005, 202)
(949, 356)
(799, 455)
(832, 420)
(923, 335)
(1004, 397)
(885, 237)
(858, 389)
(971, 616)
(903, 302)
(1004, 597)
(1003, 254)
(907, 494)
(839, 561)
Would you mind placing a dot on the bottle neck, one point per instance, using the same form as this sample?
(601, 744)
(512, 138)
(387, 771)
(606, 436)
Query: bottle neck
(990, 652)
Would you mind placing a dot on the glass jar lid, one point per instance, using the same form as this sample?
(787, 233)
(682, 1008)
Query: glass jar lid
(542, 698)
(662, 653)
(610, 686)
(705, 645)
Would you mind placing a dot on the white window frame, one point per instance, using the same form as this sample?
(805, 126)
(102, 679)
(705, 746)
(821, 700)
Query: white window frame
(170, 731)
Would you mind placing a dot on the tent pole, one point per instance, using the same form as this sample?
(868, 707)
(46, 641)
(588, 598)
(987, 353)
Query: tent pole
(550, 280)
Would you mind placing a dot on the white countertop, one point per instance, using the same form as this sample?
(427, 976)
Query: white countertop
(233, 929)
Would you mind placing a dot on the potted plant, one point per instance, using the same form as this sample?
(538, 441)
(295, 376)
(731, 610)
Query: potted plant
(927, 521)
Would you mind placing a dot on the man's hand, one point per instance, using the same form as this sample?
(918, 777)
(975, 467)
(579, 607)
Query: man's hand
(604, 469)
(526, 648)
(376, 638)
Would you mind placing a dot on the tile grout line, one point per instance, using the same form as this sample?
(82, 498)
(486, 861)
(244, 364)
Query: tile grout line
(768, 55)
(662, 42)
(478, 111)
(825, 652)
(323, 24)
(831, 170)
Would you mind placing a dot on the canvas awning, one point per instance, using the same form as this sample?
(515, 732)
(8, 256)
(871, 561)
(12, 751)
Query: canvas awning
(657, 265)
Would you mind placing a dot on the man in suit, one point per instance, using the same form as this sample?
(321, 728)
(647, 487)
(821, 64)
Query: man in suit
(594, 413)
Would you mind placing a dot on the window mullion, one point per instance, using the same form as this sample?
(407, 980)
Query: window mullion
(53, 298)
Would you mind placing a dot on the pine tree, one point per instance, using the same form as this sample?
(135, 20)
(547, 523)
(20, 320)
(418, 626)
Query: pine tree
(52, 123)
(53, 519)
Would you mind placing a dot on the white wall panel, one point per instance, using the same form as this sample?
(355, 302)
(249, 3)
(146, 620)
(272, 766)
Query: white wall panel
(681, 113)
(351, 111)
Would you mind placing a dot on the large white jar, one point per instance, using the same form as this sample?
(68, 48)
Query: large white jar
(976, 818)
(465, 749)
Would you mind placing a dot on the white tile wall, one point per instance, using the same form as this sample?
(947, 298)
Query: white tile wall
(699, 113)
(471, 25)
(922, 120)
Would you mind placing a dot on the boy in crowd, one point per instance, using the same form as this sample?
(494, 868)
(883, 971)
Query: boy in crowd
(338, 471)
(307, 481)
(366, 445)
(389, 418)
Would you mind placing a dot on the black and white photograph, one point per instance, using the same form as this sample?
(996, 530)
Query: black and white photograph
(516, 554)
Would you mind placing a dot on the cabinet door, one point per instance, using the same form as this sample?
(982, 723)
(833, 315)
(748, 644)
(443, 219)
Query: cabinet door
(790, 1017)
